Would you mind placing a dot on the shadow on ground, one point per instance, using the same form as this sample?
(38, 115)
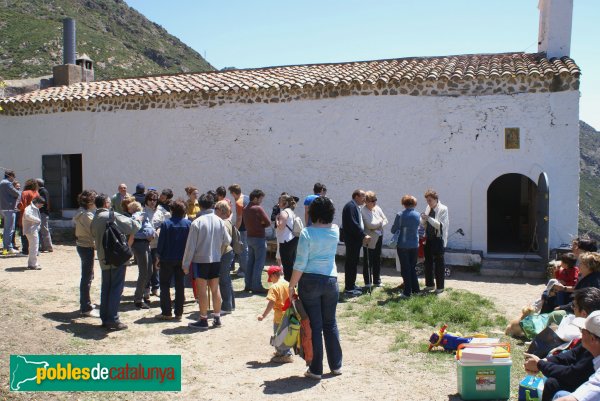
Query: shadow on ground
(16, 269)
(260, 365)
(182, 330)
(287, 385)
(86, 328)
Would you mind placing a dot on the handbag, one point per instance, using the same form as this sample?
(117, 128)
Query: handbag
(544, 342)
(393, 242)
(534, 324)
(298, 226)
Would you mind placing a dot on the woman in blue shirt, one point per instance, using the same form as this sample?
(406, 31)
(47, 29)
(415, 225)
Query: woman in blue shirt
(407, 225)
(315, 272)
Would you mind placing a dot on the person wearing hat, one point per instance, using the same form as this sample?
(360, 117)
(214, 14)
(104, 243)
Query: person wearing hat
(32, 222)
(277, 296)
(590, 338)
(140, 193)
(570, 369)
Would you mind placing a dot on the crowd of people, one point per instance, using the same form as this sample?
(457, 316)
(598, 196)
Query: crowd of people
(198, 238)
(18, 214)
(173, 240)
(570, 306)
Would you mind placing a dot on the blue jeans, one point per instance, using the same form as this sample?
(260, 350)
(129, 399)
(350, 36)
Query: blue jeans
(257, 254)
(87, 276)
(408, 261)
(141, 251)
(225, 284)
(319, 296)
(10, 217)
(243, 257)
(154, 281)
(113, 281)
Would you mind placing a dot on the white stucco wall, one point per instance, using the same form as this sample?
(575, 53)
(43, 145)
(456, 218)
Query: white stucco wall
(393, 145)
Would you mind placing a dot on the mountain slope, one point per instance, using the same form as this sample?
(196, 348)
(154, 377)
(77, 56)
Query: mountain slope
(121, 41)
(589, 181)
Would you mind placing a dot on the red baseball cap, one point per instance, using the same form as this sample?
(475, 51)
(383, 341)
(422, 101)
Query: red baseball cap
(272, 270)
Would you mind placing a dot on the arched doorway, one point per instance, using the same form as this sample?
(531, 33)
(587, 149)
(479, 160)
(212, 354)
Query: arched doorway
(511, 214)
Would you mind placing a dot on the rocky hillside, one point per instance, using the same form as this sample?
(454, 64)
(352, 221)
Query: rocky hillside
(589, 193)
(121, 41)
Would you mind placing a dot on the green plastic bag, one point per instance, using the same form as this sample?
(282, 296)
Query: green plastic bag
(533, 324)
(293, 332)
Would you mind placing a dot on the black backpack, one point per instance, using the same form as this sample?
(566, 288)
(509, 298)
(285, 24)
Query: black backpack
(114, 243)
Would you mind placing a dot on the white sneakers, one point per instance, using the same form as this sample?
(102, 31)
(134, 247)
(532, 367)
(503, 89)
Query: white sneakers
(311, 375)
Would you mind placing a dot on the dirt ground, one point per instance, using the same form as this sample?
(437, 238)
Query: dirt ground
(39, 315)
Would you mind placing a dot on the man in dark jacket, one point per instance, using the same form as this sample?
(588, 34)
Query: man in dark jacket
(354, 238)
(8, 202)
(568, 370)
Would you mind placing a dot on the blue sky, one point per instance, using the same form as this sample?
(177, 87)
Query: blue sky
(261, 33)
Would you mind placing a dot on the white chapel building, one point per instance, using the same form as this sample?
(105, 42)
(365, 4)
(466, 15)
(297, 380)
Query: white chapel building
(496, 135)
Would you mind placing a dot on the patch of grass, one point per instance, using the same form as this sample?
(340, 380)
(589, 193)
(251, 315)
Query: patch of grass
(461, 310)
(411, 319)
(402, 341)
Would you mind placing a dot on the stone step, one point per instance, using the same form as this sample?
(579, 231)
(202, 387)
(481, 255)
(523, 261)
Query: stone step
(530, 266)
(63, 230)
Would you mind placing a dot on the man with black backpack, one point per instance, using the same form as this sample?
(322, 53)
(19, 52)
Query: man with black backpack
(110, 231)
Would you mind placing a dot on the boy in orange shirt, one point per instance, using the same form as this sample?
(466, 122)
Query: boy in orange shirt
(278, 294)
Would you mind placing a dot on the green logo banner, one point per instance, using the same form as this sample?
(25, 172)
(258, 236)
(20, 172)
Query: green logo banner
(95, 372)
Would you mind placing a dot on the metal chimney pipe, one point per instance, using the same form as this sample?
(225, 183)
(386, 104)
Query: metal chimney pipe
(69, 40)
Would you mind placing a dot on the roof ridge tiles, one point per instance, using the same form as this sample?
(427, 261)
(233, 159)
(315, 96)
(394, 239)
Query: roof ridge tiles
(307, 76)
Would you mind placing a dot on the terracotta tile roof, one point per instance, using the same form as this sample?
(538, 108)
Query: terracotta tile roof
(452, 68)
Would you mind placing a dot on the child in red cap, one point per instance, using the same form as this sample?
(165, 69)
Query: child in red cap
(277, 296)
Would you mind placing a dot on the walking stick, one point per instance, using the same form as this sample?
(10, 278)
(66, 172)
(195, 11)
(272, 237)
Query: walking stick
(368, 267)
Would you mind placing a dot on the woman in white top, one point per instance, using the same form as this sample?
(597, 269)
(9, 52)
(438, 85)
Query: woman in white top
(374, 220)
(286, 241)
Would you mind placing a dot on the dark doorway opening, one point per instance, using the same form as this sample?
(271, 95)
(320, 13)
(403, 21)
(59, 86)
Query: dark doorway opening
(64, 181)
(511, 211)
